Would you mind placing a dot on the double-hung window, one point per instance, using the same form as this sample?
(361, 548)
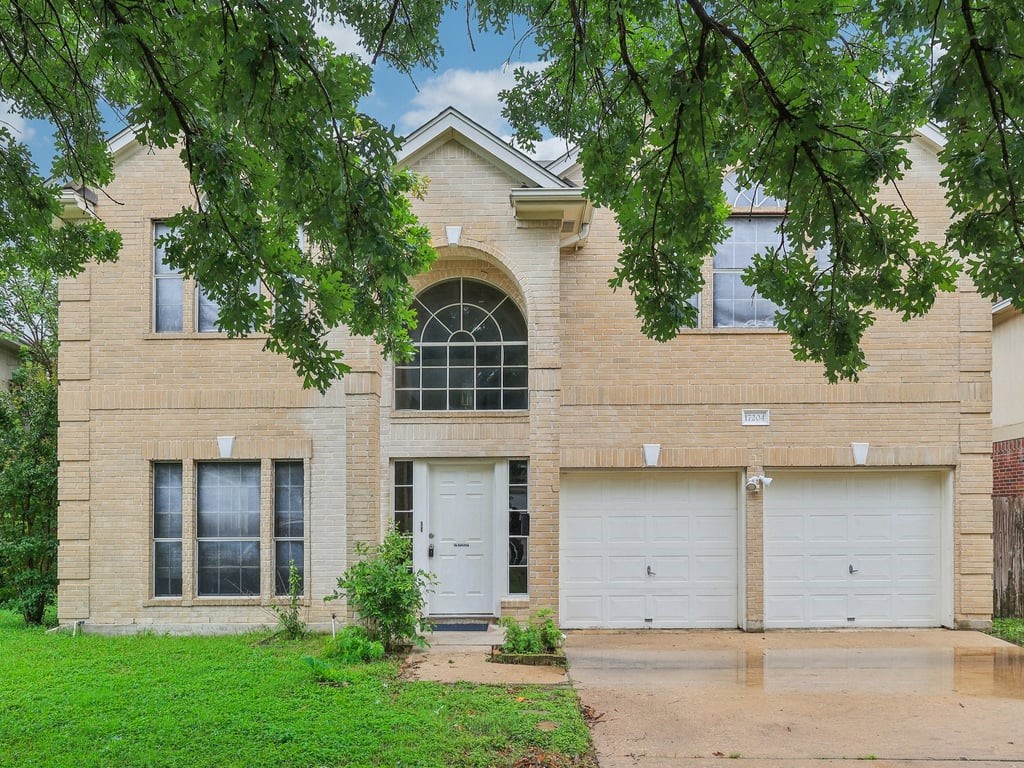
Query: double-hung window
(737, 305)
(168, 288)
(228, 528)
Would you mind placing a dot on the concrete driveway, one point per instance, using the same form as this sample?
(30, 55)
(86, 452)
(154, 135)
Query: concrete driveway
(802, 699)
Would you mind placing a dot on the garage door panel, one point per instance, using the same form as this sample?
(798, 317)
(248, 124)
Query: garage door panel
(623, 570)
(670, 609)
(627, 609)
(789, 608)
(582, 530)
(916, 567)
(625, 530)
(827, 609)
(825, 528)
(710, 610)
(683, 526)
(883, 525)
(870, 528)
(670, 529)
(715, 529)
(784, 528)
(584, 570)
(779, 568)
(823, 568)
(872, 568)
(916, 528)
(669, 571)
(718, 569)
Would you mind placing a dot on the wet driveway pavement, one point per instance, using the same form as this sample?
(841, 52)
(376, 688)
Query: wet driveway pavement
(905, 697)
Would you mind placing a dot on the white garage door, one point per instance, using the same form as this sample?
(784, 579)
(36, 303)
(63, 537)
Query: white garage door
(648, 549)
(853, 549)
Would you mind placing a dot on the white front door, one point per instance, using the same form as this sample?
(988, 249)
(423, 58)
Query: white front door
(461, 528)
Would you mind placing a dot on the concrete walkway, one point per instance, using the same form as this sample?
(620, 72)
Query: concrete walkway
(801, 699)
(462, 656)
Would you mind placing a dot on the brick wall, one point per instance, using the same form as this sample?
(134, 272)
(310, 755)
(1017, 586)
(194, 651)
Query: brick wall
(1008, 467)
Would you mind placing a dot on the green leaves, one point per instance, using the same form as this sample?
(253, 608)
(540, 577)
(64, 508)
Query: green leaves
(28, 492)
(810, 100)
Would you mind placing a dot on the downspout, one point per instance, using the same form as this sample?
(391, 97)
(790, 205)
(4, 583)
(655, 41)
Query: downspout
(578, 240)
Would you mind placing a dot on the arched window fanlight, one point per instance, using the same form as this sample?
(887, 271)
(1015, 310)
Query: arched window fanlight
(471, 351)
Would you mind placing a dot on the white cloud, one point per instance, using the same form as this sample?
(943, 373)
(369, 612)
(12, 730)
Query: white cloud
(472, 92)
(344, 38)
(545, 149)
(15, 123)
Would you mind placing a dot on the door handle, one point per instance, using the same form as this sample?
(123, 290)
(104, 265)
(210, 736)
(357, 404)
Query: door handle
(650, 572)
(430, 551)
(854, 570)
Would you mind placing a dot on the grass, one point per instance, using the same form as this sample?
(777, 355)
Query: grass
(155, 701)
(1011, 630)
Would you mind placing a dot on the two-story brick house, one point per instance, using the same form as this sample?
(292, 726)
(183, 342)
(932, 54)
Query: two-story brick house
(539, 450)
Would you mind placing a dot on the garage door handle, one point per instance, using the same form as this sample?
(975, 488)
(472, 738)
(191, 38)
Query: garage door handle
(650, 572)
(854, 570)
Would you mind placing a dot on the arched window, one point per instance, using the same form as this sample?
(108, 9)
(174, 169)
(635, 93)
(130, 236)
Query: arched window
(471, 351)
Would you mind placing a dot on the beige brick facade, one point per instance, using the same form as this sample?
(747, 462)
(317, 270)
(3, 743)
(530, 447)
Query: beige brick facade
(597, 391)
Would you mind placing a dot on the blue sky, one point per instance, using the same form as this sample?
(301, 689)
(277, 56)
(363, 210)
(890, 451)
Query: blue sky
(467, 79)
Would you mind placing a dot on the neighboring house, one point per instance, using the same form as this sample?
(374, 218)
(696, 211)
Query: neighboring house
(1008, 458)
(10, 358)
(540, 451)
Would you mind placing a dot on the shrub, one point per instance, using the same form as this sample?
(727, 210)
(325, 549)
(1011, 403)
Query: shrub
(353, 646)
(539, 635)
(290, 623)
(386, 593)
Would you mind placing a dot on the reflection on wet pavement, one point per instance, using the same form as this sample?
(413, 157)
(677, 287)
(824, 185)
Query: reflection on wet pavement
(984, 672)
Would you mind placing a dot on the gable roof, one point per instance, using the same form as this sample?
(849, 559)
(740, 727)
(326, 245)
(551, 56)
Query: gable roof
(452, 125)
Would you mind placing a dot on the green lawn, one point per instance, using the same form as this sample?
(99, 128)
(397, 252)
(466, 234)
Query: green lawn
(152, 700)
(1011, 630)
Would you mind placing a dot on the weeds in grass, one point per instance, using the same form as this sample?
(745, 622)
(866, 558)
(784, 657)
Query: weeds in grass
(1011, 630)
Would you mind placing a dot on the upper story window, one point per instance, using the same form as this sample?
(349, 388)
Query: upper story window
(168, 293)
(471, 351)
(737, 305)
(168, 288)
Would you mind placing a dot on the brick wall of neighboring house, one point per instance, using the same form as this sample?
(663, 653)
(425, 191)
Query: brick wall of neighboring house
(598, 390)
(1008, 467)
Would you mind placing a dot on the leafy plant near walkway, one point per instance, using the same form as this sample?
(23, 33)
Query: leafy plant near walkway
(386, 593)
(226, 702)
(538, 635)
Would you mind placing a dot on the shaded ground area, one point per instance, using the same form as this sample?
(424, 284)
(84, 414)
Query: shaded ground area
(800, 698)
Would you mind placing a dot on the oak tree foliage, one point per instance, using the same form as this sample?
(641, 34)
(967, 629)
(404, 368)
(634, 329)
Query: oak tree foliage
(811, 101)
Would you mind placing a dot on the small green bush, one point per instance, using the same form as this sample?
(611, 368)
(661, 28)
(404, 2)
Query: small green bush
(386, 593)
(539, 635)
(290, 623)
(353, 646)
